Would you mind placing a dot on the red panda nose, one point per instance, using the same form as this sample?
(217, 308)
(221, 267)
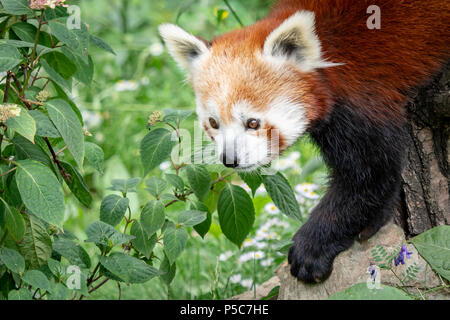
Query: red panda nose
(229, 162)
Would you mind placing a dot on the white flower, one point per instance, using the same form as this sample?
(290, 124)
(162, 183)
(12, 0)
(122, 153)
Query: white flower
(225, 256)
(261, 234)
(284, 164)
(165, 165)
(260, 245)
(245, 257)
(126, 85)
(249, 242)
(267, 236)
(156, 49)
(306, 190)
(91, 119)
(245, 187)
(261, 190)
(236, 278)
(271, 208)
(276, 222)
(100, 137)
(267, 262)
(247, 283)
(294, 155)
(257, 255)
(8, 111)
(145, 81)
(300, 199)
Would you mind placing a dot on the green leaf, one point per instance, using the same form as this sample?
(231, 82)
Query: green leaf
(36, 246)
(73, 252)
(68, 125)
(76, 40)
(156, 186)
(36, 279)
(21, 294)
(99, 43)
(22, 44)
(129, 269)
(175, 181)
(104, 235)
(84, 72)
(13, 220)
(168, 197)
(202, 228)
(9, 57)
(153, 217)
(40, 191)
(56, 268)
(171, 115)
(59, 292)
(25, 31)
(58, 12)
(61, 64)
(191, 218)
(360, 291)
(252, 179)
(236, 213)
(12, 260)
(17, 7)
(125, 185)
(26, 150)
(44, 127)
(174, 242)
(56, 77)
(77, 185)
(282, 246)
(168, 271)
(273, 294)
(282, 195)
(142, 243)
(113, 209)
(95, 156)
(155, 148)
(434, 246)
(199, 180)
(310, 167)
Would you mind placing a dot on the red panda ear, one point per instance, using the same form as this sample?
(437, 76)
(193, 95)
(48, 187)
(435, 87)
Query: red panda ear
(185, 48)
(296, 40)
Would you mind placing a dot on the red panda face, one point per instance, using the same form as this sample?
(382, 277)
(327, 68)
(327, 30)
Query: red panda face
(248, 107)
(253, 99)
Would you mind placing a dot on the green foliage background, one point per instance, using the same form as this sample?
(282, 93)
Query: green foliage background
(175, 240)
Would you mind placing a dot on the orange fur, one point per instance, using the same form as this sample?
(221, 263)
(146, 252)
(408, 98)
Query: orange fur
(379, 69)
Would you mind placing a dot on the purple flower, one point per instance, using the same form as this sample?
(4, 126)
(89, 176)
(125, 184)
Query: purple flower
(401, 256)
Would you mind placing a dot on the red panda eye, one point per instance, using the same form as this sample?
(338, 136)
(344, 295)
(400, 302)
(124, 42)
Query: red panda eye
(253, 124)
(213, 123)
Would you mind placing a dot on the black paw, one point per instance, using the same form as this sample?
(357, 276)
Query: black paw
(310, 261)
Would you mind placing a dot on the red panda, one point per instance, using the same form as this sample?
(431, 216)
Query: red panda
(314, 66)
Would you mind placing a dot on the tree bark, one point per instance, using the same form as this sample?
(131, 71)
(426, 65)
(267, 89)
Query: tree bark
(425, 198)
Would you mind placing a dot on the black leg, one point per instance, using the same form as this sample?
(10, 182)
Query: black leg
(365, 161)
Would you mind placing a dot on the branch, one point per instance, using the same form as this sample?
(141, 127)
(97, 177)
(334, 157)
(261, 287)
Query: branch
(66, 176)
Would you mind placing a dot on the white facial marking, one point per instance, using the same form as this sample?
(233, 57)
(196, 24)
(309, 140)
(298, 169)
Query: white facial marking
(252, 148)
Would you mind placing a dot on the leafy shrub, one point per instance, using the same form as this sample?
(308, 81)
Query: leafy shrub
(43, 156)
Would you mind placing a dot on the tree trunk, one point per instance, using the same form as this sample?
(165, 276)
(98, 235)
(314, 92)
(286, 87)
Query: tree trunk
(425, 198)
